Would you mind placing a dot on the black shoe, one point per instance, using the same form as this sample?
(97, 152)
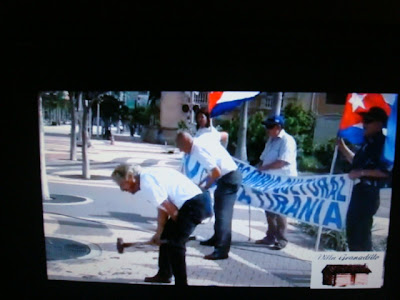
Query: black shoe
(265, 241)
(158, 279)
(279, 245)
(209, 242)
(216, 256)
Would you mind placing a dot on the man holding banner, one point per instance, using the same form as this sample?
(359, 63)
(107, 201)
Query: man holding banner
(278, 157)
(222, 171)
(368, 167)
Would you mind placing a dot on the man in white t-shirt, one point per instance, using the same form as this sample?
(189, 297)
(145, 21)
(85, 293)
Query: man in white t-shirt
(181, 207)
(278, 157)
(223, 171)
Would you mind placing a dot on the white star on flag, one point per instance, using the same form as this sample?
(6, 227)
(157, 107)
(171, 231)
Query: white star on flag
(356, 101)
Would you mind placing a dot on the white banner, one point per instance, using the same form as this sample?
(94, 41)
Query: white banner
(320, 200)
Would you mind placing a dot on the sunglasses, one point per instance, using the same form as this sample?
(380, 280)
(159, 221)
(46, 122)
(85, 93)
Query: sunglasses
(270, 126)
(368, 120)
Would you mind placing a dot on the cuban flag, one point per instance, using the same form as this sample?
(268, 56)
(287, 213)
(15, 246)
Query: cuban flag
(350, 127)
(222, 102)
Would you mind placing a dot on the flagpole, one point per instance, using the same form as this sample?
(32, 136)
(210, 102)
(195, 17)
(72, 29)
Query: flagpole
(334, 159)
(249, 222)
(330, 172)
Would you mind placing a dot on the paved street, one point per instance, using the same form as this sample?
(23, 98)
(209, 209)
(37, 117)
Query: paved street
(89, 215)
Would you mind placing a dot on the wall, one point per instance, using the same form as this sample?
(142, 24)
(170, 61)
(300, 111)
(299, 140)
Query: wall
(171, 113)
(326, 128)
(343, 279)
(171, 109)
(361, 279)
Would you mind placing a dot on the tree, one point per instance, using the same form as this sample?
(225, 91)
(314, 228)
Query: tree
(72, 96)
(300, 124)
(85, 137)
(109, 110)
(153, 108)
(255, 136)
(55, 104)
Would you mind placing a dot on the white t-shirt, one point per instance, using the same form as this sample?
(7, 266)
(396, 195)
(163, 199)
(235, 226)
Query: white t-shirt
(211, 132)
(159, 184)
(211, 154)
(283, 148)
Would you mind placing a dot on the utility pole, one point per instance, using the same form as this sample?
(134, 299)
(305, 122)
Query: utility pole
(73, 126)
(278, 104)
(43, 174)
(98, 118)
(85, 137)
(241, 150)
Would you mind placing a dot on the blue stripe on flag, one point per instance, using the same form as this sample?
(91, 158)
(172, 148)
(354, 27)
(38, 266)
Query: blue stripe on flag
(389, 148)
(221, 108)
(354, 135)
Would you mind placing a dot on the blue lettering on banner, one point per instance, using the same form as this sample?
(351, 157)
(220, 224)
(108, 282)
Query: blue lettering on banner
(339, 196)
(333, 215)
(242, 197)
(259, 195)
(308, 209)
(294, 208)
(319, 200)
(292, 189)
(271, 202)
(334, 189)
(318, 212)
(314, 190)
(281, 202)
(323, 185)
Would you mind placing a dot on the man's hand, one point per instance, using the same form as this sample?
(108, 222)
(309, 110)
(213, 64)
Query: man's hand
(278, 164)
(262, 168)
(170, 209)
(155, 239)
(347, 153)
(354, 174)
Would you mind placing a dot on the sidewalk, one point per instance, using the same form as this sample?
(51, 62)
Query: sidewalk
(248, 264)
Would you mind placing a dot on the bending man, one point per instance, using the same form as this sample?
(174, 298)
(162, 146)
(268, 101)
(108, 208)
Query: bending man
(181, 207)
(223, 171)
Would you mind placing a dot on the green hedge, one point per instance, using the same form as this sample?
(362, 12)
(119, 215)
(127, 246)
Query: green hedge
(300, 124)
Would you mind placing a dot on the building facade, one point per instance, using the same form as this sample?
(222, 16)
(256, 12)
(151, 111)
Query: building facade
(178, 108)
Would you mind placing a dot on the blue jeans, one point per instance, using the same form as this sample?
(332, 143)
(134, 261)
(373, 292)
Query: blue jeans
(224, 200)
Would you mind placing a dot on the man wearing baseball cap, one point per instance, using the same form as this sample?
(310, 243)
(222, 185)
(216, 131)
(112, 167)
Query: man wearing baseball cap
(370, 171)
(278, 157)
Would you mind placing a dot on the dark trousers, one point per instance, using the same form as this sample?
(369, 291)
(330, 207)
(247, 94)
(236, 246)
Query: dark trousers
(171, 260)
(224, 200)
(277, 225)
(364, 203)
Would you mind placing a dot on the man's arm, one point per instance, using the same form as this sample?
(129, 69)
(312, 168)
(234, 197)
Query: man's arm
(376, 173)
(347, 153)
(170, 208)
(165, 210)
(278, 164)
(162, 218)
(212, 177)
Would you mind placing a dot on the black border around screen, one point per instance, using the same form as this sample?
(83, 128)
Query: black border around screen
(282, 64)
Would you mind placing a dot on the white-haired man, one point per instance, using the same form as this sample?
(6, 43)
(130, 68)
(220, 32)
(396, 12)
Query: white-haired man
(181, 207)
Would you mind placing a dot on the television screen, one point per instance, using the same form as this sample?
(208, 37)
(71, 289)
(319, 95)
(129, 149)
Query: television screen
(303, 207)
(297, 227)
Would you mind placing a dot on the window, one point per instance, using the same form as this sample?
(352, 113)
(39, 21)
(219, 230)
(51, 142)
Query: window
(269, 100)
